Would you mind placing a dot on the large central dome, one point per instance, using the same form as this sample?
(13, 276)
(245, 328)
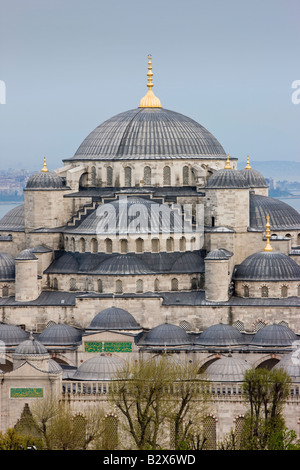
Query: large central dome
(149, 133)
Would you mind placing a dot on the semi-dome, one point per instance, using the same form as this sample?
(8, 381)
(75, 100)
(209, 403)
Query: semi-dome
(12, 335)
(123, 264)
(267, 266)
(60, 335)
(220, 335)
(282, 215)
(114, 318)
(13, 220)
(100, 367)
(45, 179)
(227, 179)
(227, 369)
(149, 133)
(274, 335)
(7, 267)
(166, 335)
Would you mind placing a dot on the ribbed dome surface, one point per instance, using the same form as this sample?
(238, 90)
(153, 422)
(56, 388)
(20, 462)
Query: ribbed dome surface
(274, 335)
(99, 367)
(291, 364)
(13, 219)
(123, 264)
(227, 369)
(268, 266)
(282, 216)
(146, 133)
(26, 254)
(166, 335)
(7, 267)
(114, 318)
(254, 178)
(12, 335)
(220, 335)
(227, 179)
(31, 347)
(60, 335)
(45, 180)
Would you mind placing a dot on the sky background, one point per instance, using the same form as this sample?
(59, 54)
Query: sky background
(69, 65)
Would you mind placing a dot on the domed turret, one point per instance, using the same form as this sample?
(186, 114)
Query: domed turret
(255, 180)
(31, 351)
(45, 179)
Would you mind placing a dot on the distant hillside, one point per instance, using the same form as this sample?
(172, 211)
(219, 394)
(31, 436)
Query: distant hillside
(280, 171)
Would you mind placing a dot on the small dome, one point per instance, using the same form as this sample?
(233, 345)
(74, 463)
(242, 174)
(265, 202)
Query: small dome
(45, 179)
(254, 178)
(114, 318)
(282, 215)
(268, 266)
(30, 347)
(274, 335)
(220, 335)
(227, 179)
(166, 335)
(60, 334)
(7, 267)
(227, 369)
(13, 219)
(219, 253)
(99, 367)
(26, 254)
(12, 335)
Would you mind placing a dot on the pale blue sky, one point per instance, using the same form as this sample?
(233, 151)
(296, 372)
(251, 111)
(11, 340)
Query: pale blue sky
(69, 65)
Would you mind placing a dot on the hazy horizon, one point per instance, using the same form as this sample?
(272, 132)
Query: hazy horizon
(68, 66)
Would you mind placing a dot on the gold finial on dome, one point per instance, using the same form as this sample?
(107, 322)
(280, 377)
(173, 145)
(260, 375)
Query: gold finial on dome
(248, 166)
(45, 169)
(150, 100)
(228, 166)
(268, 235)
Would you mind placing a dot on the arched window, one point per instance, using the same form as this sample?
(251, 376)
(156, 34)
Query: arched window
(72, 284)
(72, 244)
(155, 245)
(284, 291)
(123, 246)
(127, 176)
(5, 291)
(139, 245)
(93, 176)
(246, 291)
(139, 286)
(174, 284)
(167, 176)
(82, 245)
(265, 291)
(210, 433)
(109, 176)
(110, 433)
(147, 175)
(55, 283)
(108, 245)
(119, 287)
(94, 245)
(182, 244)
(156, 285)
(100, 286)
(194, 283)
(170, 244)
(185, 175)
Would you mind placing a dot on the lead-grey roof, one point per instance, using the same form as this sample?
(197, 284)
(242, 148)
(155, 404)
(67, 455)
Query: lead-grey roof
(114, 318)
(145, 133)
(12, 335)
(7, 267)
(45, 180)
(282, 215)
(291, 364)
(166, 334)
(130, 263)
(100, 367)
(60, 335)
(220, 335)
(267, 266)
(227, 179)
(274, 335)
(227, 369)
(13, 220)
(254, 178)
